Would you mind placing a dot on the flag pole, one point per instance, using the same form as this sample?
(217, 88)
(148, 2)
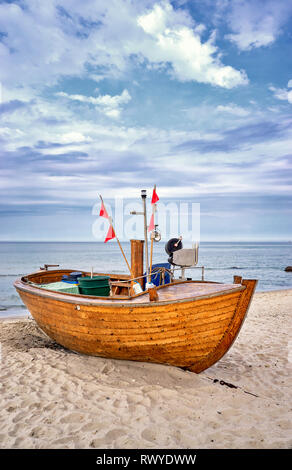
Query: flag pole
(143, 196)
(120, 246)
(152, 236)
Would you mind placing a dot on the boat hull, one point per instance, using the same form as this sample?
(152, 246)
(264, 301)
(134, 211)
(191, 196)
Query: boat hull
(191, 333)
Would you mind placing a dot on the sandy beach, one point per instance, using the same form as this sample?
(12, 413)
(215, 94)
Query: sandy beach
(54, 398)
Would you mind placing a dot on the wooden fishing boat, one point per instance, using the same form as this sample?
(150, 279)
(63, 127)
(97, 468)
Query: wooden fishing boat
(185, 323)
(191, 325)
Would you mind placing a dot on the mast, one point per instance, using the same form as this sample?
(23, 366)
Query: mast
(152, 235)
(143, 196)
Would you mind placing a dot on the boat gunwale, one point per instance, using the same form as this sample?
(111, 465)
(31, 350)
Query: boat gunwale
(125, 302)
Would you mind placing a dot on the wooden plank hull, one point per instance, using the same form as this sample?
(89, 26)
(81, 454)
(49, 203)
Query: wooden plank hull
(192, 333)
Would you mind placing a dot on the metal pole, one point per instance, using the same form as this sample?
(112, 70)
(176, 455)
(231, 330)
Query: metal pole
(143, 196)
(152, 236)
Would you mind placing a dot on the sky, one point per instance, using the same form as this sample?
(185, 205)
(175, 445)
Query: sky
(113, 97)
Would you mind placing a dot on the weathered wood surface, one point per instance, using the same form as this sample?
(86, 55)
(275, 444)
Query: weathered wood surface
(191, 326)
(137, 263)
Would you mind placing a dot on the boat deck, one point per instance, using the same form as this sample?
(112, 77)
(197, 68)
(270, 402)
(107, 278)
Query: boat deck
(187, 290)
(170, 293)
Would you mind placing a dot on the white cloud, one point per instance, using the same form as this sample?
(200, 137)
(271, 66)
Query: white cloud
(45, 41)
(35, 47)
(178, 44)
(109, 105)
(97, 78)
(155, 21)
(282, 93)
(233, 109)
(114, 156)
(163, 16)
(74, 137)
(11, 133)
(256, 23)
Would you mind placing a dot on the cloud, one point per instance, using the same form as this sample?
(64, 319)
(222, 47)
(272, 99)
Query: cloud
(255, 23)
(233, 109)
(180, 45)
(68, 164)
(111, 106)
(283, 93)
(239, 138)
(67, 139)
(11, 106)
(64, 152)
(45, 41)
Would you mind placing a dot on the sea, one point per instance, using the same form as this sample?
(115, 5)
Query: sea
(265, 261)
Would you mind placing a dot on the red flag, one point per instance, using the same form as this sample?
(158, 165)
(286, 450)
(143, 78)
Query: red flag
(151, 225)
(155, 198)
(110, 234)
(103, 212)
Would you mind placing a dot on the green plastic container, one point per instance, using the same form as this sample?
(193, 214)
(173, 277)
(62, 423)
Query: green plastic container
(96, 285)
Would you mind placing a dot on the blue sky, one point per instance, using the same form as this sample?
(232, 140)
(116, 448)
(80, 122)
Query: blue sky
(113, 97)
